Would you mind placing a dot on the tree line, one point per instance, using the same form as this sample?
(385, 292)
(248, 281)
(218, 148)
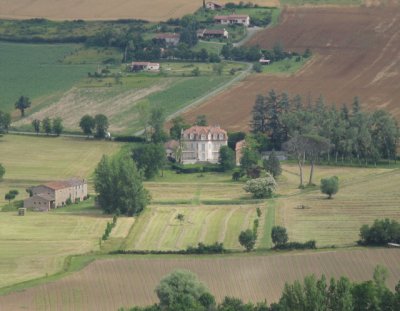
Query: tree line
(182, 291)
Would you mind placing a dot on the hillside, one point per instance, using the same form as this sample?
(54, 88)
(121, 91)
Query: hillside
(104, 10)
(356, 53)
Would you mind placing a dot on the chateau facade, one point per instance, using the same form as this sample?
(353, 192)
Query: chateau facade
(202, 144)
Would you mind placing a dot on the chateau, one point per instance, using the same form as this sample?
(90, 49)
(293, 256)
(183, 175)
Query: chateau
(202, 144)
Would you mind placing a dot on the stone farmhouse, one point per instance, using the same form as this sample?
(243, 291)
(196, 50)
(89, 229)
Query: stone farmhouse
(213, 33)
(202, 144)
(232, 19)
(213, 6)
(56, 194)
(168, 38)
(144, 66)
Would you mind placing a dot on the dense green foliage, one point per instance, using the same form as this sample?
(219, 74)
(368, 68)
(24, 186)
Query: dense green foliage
(272, 165)
(261, 187)
(365, 136)
(101, 125)
(2, 171)
(330, 186)
(380, 233)
(149, 158)
(178, 124)
(247, 239)
(46, 125)
(5, 121)
(310, 295)
(249, 159)
(227, 159)
(119, 186)
(182, 291)
(87, 124)
(279, 235)
(57, 126)
(22, 104)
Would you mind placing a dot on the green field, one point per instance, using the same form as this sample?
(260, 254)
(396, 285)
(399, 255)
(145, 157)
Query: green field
(30, 160)
(36, 71)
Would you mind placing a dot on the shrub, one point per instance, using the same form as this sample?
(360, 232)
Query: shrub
(380, 233)
(247, 239)
(330, 186)
(261, 187)
(279, 236)
(312, 244)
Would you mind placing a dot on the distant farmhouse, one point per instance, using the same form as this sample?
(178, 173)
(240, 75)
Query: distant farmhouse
(168, 38)
(56, 194)
(213, 6)
(202, 144)
(144, 66)
(232, 19)
(212, 33)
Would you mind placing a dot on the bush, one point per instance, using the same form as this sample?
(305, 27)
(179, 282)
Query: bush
(380, 233)
(312, 244)
(130, 139)
(261, 187)
(216, 248)
(330, 186)
(247, 239)
(279, 236)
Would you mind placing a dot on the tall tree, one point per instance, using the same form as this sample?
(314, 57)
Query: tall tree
(150, 158)
(5, 121)
(87, 124)
(58, 126)
(178, 124)
(2, 171)
(101, 125)
(119, 186)
(272, 165)
(36, 125)
(143, 109)
(22, 104)
(156, 121)
(227, 160)
(46, 125)
(315, 146)
(297, 146)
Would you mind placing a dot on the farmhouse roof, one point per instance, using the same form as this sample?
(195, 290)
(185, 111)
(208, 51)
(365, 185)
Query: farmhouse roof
(230, 17)
(214, 31)
(57, 185)
(144, 64)
(44, 196)
(167, 36)
(197, 130)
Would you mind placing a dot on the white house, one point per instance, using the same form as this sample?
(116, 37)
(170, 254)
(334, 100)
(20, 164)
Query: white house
(168, 38)
(213, 33)
(145, 66)
(202, 144)
(232, 19)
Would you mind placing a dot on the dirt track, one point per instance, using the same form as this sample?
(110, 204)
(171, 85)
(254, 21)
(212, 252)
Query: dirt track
(113, 283)
(154, 10)
(357, 54)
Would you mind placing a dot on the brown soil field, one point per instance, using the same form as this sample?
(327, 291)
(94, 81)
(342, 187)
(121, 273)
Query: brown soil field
(155, 10)
(356, 53)
(112, 283)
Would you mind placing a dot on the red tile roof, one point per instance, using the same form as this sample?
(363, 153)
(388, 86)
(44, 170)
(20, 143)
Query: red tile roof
(57, 185)
(197, 130)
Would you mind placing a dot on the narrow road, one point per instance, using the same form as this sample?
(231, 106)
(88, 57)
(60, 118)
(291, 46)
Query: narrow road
(251, 31)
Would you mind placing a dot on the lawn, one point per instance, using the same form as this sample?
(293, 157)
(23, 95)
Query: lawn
(37, 71)
(286, 66)
(37, 244)
(30, 160)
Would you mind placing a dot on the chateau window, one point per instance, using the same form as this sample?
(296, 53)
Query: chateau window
(191, 136)
(203, 137)
(221, 136)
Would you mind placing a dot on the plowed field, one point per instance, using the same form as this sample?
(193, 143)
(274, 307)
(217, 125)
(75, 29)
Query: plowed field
(112, 283)
(356, 53)
(154, 10)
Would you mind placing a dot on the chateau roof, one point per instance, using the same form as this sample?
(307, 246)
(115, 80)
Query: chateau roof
(198, 130)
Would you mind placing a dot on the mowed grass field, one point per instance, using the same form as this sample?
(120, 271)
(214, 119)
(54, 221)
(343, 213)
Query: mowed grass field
(130, 280)
(30, 160)
(93, 10)
(364, 195)
(36, 71)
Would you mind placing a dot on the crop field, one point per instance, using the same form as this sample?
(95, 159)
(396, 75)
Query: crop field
(36, 71)
(29, 160)
(93, 10)
(112, 283)
(119, 102)
(363, 62)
